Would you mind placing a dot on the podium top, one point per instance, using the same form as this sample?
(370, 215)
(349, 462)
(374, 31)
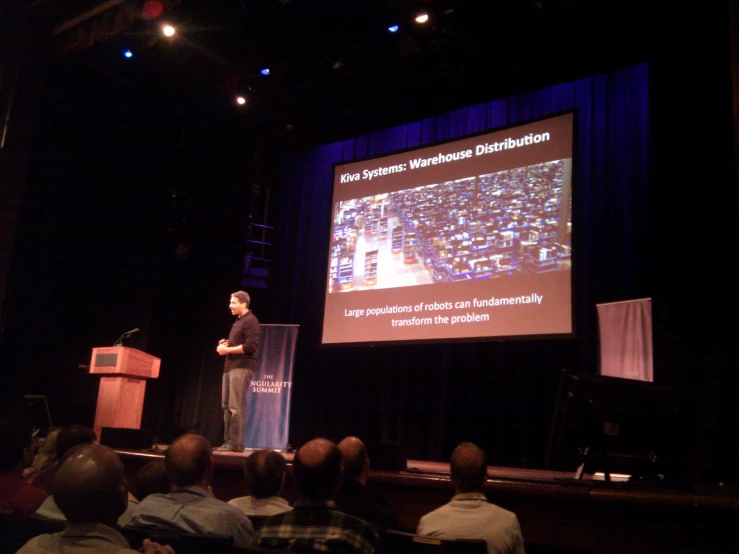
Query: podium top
(124, 361)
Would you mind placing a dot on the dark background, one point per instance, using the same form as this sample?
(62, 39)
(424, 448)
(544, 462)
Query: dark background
(127, 187)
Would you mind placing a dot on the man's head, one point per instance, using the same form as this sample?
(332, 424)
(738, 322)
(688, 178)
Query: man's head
(90, 485)
(152, 479)
(468, 467)
(239, 304)
(71, 436)
(317, 470)
(356, 462)
(188, 461)
(265, 473)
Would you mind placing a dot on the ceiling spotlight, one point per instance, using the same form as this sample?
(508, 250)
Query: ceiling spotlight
(338, 65)
(264, 71)
(152, 9)
(240, 100)
(393, 28)
(127, 54)
(422, 18)
(168, 30)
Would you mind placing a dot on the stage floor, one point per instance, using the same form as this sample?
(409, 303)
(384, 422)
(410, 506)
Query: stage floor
(414, 467)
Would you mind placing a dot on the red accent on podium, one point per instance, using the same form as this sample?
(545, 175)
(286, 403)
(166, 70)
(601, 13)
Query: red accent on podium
(123, 372)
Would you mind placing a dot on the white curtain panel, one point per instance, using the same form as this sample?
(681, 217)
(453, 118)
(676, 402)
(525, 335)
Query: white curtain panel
(626, 339)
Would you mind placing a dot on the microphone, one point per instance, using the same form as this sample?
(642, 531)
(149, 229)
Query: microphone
(125, 336)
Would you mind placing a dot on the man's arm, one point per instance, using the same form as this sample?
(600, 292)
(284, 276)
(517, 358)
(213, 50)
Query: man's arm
(250, 344)
(224, 349)
(242, 529)
(150, 547)
(516, 538)
(251, 337)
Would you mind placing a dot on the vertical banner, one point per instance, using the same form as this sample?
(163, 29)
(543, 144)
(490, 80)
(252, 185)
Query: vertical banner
(626, 339)
(268, 397)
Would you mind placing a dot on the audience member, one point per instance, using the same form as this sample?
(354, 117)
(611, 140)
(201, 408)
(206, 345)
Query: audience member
(354, 498)
(316, 524)
(152, 479)
(29, 453)
(41, 470)
(469, 515)
(90, 488)
(71, 436)
(16, 495)
(264, 471)
(68, 438)
(191, 506)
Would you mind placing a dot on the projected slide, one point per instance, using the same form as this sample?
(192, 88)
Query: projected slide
(467, 239)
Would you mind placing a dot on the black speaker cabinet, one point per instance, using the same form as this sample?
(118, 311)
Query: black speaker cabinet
(387, 456)
(126, 439)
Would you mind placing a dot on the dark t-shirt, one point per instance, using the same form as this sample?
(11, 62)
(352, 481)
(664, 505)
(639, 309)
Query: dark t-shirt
(245, 331)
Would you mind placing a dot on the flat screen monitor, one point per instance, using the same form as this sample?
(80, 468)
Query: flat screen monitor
(33, 412)
(612, 425)
(468, 239)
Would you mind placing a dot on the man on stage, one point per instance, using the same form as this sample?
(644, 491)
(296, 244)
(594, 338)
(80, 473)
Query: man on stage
(241, 351)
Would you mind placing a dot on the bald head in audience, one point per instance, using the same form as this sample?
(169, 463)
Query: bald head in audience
(468, 468)
(188, 461)
(264, 471)
(356, 462)
(152, 479)
(71, 436)
(90, 485)
(317, 469)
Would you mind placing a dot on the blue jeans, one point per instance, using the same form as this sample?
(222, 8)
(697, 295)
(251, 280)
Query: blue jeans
(235, 383)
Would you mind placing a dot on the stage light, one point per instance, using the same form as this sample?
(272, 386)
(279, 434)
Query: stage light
(393, 28)
(338, 65)
(240, 100)
(168, 30)
(422, 18)
(264, 71)
(152, 9)
(127, 54)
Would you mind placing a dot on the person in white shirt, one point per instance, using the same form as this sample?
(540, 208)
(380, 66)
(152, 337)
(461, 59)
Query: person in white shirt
(264, 471)
(469, 515)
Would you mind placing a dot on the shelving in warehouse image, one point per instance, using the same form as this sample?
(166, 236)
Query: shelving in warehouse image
(496, 225)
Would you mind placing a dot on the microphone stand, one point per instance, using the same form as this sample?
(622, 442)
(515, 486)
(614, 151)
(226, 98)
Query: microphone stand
(155, 448)
(125, 335)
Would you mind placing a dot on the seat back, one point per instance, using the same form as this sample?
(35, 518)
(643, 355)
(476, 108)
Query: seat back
(533, 548)
(182, 543)
(398, 542)
(15, 531)
(257, 521)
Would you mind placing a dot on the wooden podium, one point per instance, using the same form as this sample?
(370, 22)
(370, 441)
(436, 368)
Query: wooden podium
(123, 372)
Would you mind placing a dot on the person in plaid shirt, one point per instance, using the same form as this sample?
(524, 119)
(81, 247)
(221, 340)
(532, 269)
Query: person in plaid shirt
(316, 524)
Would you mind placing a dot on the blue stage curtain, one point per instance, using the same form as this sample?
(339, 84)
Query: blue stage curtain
(500, 395)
